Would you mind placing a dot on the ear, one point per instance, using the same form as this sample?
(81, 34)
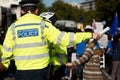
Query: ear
(22, 12)
(36, 11)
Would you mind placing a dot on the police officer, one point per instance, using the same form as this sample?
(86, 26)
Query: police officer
(26, 42)
(58, 54)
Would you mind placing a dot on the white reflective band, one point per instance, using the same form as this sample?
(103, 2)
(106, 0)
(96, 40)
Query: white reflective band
(60, 57)
(13, 31)
(13, 34)
(29, 4)
(7, 49)
(60, 38)
(42, 29)
(30, 24)
(71, 38)
(31, 57)
(28, 45)
(4, 59)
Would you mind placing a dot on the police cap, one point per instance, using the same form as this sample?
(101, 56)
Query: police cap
(25, 3)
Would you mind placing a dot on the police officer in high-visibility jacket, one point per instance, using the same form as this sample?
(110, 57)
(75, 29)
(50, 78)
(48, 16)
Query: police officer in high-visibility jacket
(26, 42)
(58, 54)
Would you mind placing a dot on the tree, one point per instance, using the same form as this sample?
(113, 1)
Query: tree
(106, 9)
(66, 11)
(41, 7)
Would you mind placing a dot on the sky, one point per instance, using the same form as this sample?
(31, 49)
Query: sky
(49, 2)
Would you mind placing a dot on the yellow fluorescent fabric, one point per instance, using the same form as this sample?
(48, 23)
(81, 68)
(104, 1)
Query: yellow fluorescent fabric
(28, 49)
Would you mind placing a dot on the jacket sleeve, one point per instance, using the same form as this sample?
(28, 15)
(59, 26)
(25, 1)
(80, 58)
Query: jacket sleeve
(89, 51)
(7, 48)
(64, 38)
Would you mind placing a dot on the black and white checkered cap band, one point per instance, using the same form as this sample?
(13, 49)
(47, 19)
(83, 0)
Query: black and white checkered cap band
(29, 4)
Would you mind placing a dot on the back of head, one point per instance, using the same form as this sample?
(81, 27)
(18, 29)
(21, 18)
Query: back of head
(29, 5)
(49, 16)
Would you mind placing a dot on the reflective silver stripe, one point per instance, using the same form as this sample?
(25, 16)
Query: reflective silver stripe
(13, 31)
(4, 59)
(60, 56)
(30, 24)
(60, 38)
(71, 39)
(13, 34)
(31, 57)
(28, 4)
(7, 49)
(42, 29)
(28, 45)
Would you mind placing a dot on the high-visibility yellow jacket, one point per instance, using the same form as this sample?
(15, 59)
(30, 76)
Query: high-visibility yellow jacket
(58, 55)
(26, 41)
(0, 49)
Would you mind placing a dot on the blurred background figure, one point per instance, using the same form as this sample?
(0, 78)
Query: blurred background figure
(109, 54)
(116, 57)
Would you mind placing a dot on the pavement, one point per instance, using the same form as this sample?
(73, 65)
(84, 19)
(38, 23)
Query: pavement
(106, 75)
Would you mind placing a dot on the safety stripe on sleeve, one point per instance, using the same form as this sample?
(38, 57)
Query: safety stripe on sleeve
(60, 38)
(13, 34)
(42, 29)
(8, 58)
(59, 57)
(71, 39)
(13, 30)
(7, 49)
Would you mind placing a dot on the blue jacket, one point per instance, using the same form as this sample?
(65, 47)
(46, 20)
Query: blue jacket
(81, 46)
(109, 45)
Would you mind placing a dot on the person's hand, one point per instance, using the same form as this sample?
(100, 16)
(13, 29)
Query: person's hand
(96, 36)
(71, 65)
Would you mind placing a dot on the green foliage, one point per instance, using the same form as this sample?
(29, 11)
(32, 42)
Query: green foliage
(41, 7)
(68, 12)
(106, 9)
